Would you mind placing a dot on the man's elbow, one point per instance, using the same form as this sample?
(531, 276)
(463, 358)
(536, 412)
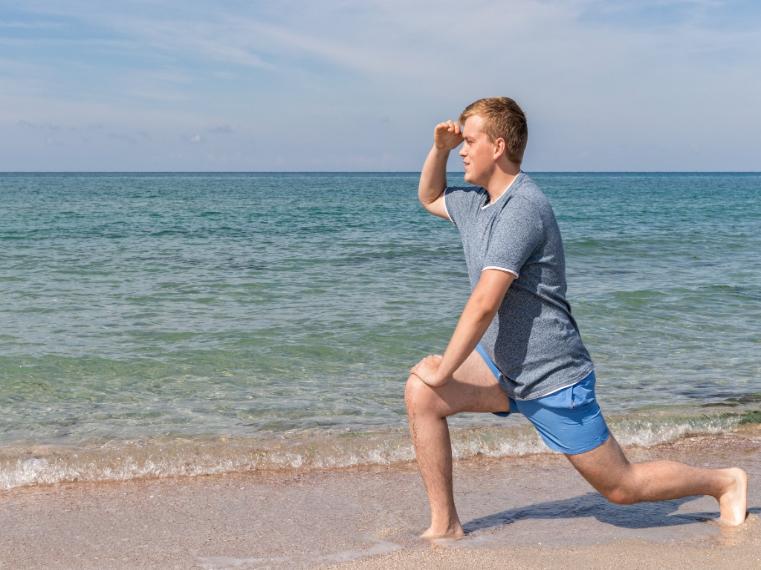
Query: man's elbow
(485, 307)
(488, 300)
(427, 196)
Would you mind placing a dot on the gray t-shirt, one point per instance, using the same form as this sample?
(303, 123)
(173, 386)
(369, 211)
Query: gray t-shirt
(533, 338)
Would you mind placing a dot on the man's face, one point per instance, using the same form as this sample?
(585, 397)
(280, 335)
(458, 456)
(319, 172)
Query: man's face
(477, 152)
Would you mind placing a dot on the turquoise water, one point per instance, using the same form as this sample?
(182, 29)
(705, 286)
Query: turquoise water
(285, 307)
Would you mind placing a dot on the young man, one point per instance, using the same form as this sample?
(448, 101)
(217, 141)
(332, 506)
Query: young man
(530, 358)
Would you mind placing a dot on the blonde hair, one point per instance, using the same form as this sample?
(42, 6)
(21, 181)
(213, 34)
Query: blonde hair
(504, 119)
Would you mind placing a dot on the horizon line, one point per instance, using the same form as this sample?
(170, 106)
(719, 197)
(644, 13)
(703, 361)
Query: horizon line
(3, 172)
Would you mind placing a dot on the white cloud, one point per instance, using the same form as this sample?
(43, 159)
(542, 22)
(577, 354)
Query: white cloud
(33, 25)
(598, 90)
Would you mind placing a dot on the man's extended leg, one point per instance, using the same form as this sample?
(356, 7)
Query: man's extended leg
(472, 389)
(608, 470)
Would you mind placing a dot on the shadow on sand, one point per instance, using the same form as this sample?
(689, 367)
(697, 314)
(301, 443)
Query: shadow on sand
(638, 516)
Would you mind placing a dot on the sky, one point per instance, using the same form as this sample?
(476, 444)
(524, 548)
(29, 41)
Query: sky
(352, 85)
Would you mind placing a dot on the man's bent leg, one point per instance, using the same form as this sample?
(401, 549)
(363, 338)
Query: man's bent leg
(473, 388)
(608, 471)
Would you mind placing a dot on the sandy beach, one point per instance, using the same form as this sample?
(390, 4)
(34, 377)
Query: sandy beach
(528, 512)
(231, 232)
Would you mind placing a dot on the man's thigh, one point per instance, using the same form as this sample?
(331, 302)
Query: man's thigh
(603, 467)
(473, 388)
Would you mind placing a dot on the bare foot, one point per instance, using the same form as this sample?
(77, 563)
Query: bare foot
(733, 502)
(454, 531)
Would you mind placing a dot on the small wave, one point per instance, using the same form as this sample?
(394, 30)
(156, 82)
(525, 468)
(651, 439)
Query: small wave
(22, 466)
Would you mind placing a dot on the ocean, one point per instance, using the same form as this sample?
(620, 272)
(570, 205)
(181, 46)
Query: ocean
(186, 324)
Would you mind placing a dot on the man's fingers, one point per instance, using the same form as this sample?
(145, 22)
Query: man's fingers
(423, 380)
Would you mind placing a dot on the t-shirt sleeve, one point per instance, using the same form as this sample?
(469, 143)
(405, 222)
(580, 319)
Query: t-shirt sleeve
(517, 233)
(459, 202)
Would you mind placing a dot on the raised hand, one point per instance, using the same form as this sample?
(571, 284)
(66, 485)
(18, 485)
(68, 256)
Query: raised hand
(447, 135)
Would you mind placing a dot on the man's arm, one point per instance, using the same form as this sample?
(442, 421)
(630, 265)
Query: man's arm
(479, 311)
(433, 176)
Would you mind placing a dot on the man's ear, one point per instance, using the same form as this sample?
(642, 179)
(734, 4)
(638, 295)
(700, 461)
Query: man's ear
(499, 147)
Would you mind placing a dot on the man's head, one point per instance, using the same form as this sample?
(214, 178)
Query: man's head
(494, 130)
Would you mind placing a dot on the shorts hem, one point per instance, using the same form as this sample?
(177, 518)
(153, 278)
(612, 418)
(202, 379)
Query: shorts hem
(582, 449)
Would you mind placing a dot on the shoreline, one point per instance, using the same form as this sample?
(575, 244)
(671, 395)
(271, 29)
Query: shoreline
(29, 464)
(517, 509)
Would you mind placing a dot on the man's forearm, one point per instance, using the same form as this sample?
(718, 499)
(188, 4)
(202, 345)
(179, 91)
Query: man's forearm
(474, 321)
(479, 312)
(433, 177)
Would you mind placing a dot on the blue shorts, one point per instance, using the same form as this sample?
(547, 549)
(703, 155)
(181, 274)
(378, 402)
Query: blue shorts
(569, 420)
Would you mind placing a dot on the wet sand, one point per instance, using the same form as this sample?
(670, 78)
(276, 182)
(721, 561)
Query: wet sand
(527, 512)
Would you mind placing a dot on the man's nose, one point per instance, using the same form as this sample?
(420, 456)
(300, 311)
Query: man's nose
(462, 152)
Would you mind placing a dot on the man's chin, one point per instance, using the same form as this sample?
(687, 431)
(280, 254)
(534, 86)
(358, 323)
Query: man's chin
(470, 179)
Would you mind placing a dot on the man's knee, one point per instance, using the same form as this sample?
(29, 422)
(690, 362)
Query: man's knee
(418, 396)
(609, 472)
(621, 496)
(623, 492)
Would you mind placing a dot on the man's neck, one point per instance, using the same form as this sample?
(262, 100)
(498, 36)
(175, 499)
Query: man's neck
(500, 182)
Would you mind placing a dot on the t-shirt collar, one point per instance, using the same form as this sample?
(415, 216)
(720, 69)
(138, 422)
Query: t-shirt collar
(512, 183)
